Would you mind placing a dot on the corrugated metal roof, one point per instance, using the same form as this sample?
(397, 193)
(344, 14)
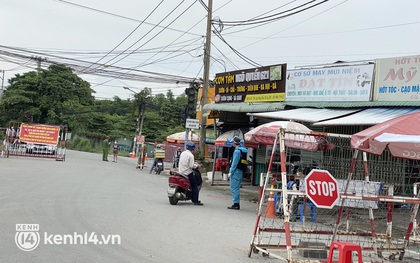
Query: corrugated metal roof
(275, 106)
(306, 114)
(355, 104)
(245, 107)
(370, 116)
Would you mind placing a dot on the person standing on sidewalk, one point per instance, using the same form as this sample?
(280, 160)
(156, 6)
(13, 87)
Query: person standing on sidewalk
(237, 167)
(142, 157)
(3, 149)
(115, 151)
(105, 148)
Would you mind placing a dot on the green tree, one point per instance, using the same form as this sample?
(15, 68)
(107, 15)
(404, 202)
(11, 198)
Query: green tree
(57, 96)
(47, 95)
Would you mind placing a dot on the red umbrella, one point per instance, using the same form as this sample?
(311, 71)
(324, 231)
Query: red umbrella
(226, 139)
(400, 134)
(179, 137)
(266, 134)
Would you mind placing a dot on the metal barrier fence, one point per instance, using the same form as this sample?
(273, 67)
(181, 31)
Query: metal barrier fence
(41, 141)
(376, 209)
(35, 150)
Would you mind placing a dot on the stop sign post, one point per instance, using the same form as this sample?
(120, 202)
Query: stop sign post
(321, 188)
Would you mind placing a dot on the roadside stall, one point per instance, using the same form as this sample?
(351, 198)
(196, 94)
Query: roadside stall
(177, 140)
(180, 137)
(264, 136)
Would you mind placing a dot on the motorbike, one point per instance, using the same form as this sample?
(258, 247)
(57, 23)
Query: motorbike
(159, 166)
(179, 186)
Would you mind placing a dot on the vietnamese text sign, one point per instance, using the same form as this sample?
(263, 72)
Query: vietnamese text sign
(38, 133)
(262, 84)
(342, 83)
(357, 187)
(192, 124)
(397, 79)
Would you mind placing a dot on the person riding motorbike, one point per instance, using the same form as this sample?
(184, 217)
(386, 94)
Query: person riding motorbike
(186, 165)
(159, 157)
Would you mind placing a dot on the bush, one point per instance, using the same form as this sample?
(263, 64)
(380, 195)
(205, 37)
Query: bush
(82, 144)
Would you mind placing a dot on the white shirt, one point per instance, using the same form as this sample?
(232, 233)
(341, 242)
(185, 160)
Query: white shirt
(186, 162)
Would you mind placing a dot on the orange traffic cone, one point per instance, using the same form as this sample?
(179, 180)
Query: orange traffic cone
(133, 155)
(145, 158)
(270, 210)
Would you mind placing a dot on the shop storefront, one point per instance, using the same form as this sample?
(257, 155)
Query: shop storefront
(341, 98)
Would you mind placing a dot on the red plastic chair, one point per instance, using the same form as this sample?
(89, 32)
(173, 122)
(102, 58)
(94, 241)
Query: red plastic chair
(345, 250)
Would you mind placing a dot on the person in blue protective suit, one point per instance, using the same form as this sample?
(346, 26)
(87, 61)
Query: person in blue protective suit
(237, 168)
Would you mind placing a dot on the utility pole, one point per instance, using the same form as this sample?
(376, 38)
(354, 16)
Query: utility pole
(141, 109)
(138, 125)
(135, 148)
(140, 116)
(206, 73)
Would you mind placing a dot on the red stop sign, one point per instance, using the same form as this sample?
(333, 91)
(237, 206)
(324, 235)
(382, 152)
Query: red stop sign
(322, 188)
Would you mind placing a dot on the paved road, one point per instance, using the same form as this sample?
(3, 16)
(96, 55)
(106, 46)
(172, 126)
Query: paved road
(86, 195)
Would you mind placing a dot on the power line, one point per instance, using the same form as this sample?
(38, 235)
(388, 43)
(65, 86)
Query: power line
(77, 65)
(239, 54)
(263, 20)
(173, 10)
(101, 52)
(119, 16)
(322, 12)
(170, 44)
(274, 17)
(349, 31)
(126, 36)
(226, 58)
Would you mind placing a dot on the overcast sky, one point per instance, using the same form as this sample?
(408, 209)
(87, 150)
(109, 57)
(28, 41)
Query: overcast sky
(168, 36)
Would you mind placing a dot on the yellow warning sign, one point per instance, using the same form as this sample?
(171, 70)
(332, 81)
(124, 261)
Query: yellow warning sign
(214, 114)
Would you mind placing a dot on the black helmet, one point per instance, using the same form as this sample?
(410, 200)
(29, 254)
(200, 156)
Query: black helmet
(237, 140)
(190, 146)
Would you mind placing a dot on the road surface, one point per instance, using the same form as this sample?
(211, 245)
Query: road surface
(88, 210)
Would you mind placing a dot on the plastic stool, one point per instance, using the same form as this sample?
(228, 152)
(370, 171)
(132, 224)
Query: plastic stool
(345, 250)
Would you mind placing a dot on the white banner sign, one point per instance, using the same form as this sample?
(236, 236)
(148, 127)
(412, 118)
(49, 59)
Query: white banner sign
(342, 83)
(192, 124)
(397, 79)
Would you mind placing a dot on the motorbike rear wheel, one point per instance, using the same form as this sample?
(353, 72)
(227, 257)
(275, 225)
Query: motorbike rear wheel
(173, 200)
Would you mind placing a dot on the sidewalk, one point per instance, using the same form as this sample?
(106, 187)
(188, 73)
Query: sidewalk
(248, 192)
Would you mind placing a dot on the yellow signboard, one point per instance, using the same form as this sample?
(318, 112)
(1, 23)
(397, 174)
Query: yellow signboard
(214, 114)
(265, 97)
(261, 84)
(210, 99)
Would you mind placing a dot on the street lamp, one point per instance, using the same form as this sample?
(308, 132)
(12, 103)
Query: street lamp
(2, 85)
(127, 88)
